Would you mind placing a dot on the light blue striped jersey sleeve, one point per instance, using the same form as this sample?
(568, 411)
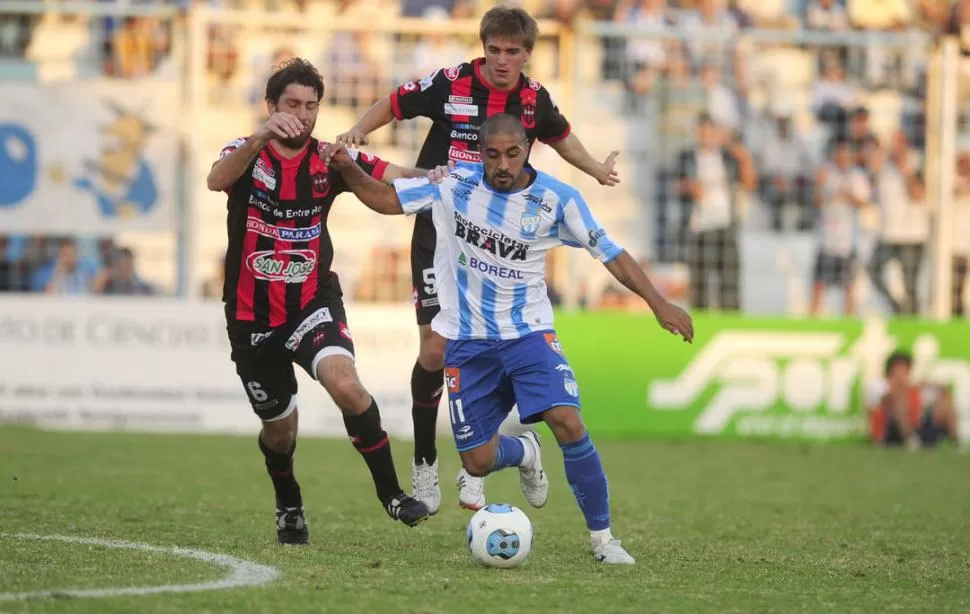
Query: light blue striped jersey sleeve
(576, 221)
(416, 194)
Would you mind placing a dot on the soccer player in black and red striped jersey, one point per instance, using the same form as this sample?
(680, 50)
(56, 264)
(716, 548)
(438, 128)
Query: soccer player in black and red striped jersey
(458, 99)
(283, 303)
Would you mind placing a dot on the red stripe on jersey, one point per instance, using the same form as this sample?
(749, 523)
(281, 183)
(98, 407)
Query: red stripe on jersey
(497, 101)
(379, 167)
(288, 180)
(396, 107)
(312, 283)
(246, 286)
(277, 288)
(461, 88)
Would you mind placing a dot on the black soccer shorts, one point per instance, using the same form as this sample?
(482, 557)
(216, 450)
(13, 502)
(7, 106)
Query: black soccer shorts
(425, 291)
(264, 356)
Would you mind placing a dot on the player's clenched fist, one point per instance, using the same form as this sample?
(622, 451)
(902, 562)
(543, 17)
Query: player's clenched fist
(354, 137)
(280, 126)
(676, 320)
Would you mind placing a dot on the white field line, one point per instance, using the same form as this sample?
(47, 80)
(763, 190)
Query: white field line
(241, 573)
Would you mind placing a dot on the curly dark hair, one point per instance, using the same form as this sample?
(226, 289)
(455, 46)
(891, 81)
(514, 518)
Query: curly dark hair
(297, 71)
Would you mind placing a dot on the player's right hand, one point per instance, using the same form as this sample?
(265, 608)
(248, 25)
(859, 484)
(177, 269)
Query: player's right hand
(675, 320)
(280, 126)
(355, 137)
(335, 155)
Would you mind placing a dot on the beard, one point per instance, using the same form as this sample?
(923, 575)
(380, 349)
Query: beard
(298, 142)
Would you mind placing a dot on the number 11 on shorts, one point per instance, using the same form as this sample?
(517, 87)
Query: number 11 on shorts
(457, 413)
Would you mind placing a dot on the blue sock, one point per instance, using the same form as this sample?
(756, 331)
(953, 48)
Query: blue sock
(510, 452)
(584, 472)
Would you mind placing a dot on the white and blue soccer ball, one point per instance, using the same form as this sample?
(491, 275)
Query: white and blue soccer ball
(500, 535)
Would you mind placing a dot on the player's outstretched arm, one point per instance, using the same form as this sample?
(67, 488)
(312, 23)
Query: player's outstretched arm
(377, 195)
(393, 171)
(572, 150)
(378, 115)
(626, 270)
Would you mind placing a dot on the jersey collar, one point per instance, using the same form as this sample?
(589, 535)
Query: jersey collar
(477, 64)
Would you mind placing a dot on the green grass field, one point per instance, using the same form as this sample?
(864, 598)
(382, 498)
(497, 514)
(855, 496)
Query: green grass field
(716, 527)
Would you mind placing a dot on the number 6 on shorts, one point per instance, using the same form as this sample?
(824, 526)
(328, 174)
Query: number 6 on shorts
(256, 392)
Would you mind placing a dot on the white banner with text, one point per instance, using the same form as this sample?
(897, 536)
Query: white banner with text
(163, 365)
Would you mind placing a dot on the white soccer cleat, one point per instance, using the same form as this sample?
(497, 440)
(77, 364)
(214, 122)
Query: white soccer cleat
(424, 484)
(532, 479)
(612, 553)
(471, 491)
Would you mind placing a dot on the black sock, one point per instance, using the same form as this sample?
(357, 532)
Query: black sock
(371, 441)
(426, 387)
(280, 469)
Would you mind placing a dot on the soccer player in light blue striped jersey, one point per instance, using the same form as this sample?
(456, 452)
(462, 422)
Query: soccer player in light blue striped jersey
(495, 221)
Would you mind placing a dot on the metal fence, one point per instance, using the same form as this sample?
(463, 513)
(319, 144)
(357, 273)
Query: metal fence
(744, 221)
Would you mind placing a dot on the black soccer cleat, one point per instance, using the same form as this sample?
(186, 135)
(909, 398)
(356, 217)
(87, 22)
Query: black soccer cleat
(291, 526)
(407, 509)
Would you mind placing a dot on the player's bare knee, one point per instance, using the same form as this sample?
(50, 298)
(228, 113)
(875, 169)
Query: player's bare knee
(565, 423)
(432, 350)
(280, 435)
(339, 377)
(477, 465)
(349, 395)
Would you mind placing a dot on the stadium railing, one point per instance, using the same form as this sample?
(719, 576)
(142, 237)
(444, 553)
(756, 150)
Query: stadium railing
(605, 77)
(92, 108)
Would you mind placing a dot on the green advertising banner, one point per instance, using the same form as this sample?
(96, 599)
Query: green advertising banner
(749, 377)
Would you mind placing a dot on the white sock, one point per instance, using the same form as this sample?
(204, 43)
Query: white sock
(597, 538)
(529, 455)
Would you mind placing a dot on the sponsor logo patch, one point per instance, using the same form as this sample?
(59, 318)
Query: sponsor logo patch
(553, 342)
(529, 223)
(489, 239)
(570, 385)
(264, 175)
(257, 338)
(283, 234)
(315, 319)
(463, 155)
(289, 265)
(469, 110)
(452, 72)
(491, 269)
(453, 379)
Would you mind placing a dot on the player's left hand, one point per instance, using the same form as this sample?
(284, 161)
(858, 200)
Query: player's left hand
(438, 173)
(608, 174)
(676, 320)
(336, 156)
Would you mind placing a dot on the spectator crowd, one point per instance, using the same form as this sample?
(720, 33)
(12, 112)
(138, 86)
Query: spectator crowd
(815, 166)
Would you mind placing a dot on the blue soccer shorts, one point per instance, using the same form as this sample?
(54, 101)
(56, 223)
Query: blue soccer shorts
(485, 379)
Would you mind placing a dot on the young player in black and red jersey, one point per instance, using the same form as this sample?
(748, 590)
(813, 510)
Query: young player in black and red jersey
(282, 302)
(458, 100)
